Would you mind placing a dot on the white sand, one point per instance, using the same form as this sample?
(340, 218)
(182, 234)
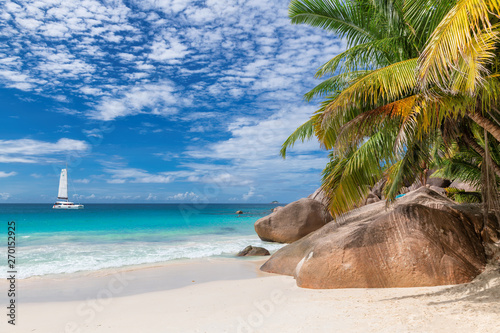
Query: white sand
(144, 301)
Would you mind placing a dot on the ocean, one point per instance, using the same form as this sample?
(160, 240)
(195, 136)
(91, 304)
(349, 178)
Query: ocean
(51, 241)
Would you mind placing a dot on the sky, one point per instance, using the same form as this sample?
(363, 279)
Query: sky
(157, 101)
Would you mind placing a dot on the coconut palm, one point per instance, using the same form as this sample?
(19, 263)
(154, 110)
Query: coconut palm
(370, 99)
(386, 102)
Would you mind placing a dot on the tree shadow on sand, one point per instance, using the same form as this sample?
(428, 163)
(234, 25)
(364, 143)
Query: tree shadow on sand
(484, 289)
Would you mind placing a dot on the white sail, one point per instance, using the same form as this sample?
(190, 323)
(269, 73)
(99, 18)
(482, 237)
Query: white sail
(63, 185)
(62, 196)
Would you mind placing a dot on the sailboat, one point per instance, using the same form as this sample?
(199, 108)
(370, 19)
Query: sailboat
(62, 196)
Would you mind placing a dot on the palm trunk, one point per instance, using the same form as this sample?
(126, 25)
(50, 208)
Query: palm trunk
(489, 190)
(485, 123)
(474, 145)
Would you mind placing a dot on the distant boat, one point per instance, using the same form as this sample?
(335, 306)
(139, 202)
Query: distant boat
(62, 196)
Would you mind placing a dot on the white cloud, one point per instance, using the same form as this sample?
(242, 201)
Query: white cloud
(36, 147)
(252, 155)
(95, 132)
(4, 174)
(4, 195)
(131, 197)
(170, 52)
(31, 151)
(167, 156)
(81, 196)
(258, 139)
(169, 6)
(187, 196)
(82, 181)
(18, 80)
(151, 197)
(91, 91)
(131, 175)
(250, 194)
(158, 99)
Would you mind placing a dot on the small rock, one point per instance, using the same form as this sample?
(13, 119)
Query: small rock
(239, 212)
(438, 182)
(253, 251)
(371, 199)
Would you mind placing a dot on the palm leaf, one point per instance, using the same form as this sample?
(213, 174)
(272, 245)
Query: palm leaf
(462, 32)
(372, 54)
(303, 132)
(334, 84)
(348, 183)
(348, 20)
(462, 196)
(378, 87)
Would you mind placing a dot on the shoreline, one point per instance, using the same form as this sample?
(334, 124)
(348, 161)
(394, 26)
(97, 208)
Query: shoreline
(234, 296)
(160, 276)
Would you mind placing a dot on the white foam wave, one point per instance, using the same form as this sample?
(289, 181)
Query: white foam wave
(70, 257)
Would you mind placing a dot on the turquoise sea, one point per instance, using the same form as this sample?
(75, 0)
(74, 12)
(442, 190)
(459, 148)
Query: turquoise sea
(50, 241)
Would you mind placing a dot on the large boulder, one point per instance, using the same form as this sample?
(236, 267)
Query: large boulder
(293, 221)
(424, 239)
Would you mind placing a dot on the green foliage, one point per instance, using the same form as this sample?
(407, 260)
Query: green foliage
(462, 196)
(395, 100)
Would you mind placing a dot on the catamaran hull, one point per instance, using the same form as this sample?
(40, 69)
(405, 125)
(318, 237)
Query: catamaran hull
(67, 207)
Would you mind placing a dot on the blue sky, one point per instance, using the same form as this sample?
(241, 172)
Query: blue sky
(156, 100)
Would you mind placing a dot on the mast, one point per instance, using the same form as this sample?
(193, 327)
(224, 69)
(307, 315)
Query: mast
(63, 185)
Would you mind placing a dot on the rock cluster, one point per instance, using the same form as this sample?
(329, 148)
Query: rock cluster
(424, 239)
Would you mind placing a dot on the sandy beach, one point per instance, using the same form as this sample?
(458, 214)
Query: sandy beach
(232, 295)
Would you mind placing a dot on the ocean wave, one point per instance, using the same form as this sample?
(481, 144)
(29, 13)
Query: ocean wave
(76, 257)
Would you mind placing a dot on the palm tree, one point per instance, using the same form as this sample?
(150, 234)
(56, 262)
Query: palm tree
(386, 104)
(370, 99)
(461, 60)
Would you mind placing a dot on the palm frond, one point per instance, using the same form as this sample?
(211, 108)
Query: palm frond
(334, 84)
(462, 196)
(347, 182)
(348, 20)
(385, 84)
(423, 16)
(407, 169)
(460, 168)
(464, 31)
(386, 117)
(376, 53)
(303, 132)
